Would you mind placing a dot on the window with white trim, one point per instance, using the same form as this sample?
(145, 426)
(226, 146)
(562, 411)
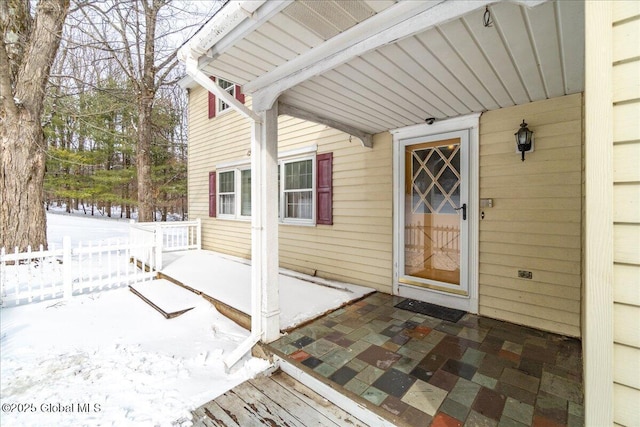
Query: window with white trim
(245, 193)
(298, 202)
(297, 190)
(229, 87)
(226, 193)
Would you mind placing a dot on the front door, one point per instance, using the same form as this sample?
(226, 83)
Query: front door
(434, 218)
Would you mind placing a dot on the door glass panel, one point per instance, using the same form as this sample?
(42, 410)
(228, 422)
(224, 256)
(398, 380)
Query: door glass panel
(432, 225)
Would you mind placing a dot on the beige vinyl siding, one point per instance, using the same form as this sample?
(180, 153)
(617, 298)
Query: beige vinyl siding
(535, 223)
(626, 211)
(357, 248)
(212, 141)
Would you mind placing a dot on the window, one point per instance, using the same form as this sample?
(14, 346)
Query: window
(297, 190)
(226, 193)
(217, 105)
(245, 192)
(305, 190)
(229, 87)
(213, 211)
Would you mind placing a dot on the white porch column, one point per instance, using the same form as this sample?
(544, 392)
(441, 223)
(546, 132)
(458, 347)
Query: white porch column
(264, 236)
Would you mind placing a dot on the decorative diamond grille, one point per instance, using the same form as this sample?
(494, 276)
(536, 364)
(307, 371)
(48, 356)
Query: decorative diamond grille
(436, 179)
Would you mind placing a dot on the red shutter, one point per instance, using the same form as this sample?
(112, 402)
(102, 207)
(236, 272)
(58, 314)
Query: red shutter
(324, 188)
(239, 94)
(212, 194)
(212, 102)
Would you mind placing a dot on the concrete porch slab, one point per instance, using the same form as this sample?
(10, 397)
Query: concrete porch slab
(170, 300)
(227, 280)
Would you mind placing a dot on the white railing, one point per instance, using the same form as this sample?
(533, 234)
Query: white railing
(64, 272)
(167, 236)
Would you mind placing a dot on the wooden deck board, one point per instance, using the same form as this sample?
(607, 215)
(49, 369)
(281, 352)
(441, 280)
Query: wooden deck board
(211, 414)
(278, 400)
(292, 403)
(312, 399)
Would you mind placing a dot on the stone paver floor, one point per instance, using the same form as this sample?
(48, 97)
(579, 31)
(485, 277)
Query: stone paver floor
(417, 370)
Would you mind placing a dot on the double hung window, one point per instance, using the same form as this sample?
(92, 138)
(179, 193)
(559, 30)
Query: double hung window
(296, 190)
(304, 190)
(227, 193)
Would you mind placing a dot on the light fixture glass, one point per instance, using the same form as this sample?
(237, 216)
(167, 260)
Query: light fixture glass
(524, 139)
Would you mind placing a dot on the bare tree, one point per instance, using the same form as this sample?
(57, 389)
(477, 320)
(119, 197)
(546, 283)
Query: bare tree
(139, 36)
(28, 47)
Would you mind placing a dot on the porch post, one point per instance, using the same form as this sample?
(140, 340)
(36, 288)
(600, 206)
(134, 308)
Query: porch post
(269, 212)
(597, 305)
(265, 312)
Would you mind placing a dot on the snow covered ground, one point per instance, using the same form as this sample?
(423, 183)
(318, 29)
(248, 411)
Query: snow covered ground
(228, 279)
(84, 228)
(108, 359)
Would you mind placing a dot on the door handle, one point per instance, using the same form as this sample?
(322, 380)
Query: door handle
(464, 211)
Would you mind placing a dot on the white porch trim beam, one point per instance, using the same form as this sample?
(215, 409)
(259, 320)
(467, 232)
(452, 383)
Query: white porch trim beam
(299, 113)
(204, 81)
(402, 20)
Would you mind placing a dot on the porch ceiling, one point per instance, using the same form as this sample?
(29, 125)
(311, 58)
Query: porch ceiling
(456, 67)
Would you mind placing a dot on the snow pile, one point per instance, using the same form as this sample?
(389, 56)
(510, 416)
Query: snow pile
(109, 359)
(228, 279)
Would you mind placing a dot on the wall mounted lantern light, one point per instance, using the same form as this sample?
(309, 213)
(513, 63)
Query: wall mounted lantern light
(524, 139)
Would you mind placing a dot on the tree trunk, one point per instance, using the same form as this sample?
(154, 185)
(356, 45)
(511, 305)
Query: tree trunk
(21, 184)
(145, 105)
(143, 160)
(27, 50)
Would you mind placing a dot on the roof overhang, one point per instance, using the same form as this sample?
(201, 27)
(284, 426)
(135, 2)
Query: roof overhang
(375, 65)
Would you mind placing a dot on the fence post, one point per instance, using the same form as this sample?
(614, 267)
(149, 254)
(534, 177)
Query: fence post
(199, 233)
(159, 242)
(67, 277)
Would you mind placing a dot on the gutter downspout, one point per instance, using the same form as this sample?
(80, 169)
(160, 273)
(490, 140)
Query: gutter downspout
(256, 226)
(257, 328)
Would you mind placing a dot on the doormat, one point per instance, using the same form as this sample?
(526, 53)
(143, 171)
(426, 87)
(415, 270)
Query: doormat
(444, 313)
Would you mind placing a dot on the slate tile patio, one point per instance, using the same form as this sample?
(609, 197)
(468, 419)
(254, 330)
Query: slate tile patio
(416, 370)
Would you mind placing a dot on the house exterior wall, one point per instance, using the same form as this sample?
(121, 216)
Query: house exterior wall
(357, 248)
(626, 211)
(228, 140)
(535, 221)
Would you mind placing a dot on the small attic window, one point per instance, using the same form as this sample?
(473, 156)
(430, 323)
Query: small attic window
(229, 87)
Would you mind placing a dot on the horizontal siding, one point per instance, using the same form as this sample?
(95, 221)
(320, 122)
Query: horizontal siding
(536, 218)
(625, 407)
(214, 141)
(627, 366)
(357, 248)
(626, 211)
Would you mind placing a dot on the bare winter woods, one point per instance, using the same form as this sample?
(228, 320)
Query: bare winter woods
(91, 114)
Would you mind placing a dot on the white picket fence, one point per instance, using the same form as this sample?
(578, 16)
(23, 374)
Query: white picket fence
(33, 276)
(40, 275)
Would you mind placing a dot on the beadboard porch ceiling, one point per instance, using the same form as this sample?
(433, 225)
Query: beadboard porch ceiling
(379, 65)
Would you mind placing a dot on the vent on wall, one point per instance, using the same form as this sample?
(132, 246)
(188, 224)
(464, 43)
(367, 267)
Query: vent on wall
(328, 18)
